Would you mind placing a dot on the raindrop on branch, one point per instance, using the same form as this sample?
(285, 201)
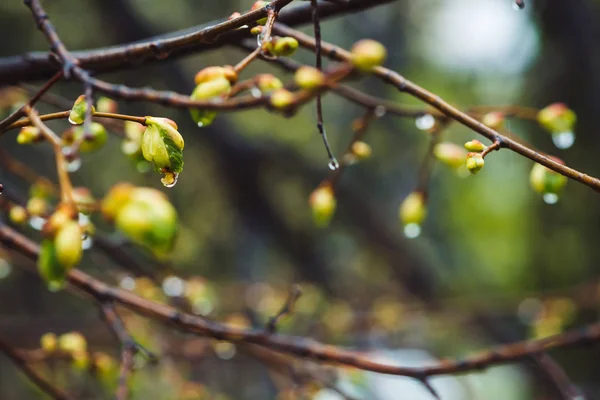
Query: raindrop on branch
(412, 231)
(563, 140)
(425, 122)
(550, 198)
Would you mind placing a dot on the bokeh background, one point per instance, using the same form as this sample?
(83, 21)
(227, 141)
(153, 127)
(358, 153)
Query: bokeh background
(493, 264)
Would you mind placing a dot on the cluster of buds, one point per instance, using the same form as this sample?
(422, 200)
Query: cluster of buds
(144, 215)
(91, 141)
(71, 343)
(162, 145)
(322, 203)
(412, 213)
(62, 247)
(547, 182)
(475, 161)
(367, 54)
(211, 83)
(78, 111)
(560, 121)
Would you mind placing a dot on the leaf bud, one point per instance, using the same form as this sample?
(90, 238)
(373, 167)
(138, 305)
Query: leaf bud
(29, 134)
(309, 78)
(17, 215)
(450, 154)
(367, 54)
(106, 105)
(413, 209)
(49, 342)
(474, 162)
(72, 342)
(281, 99)
(258, 5)
(37, 207)
(213, 72)
(214, 88)
(361, 150)
(163, 145)
(115, 200)
(77, 114)
(267, 83)
(544, 180)
(322, 203)
(557, 117)
(494, 120)
(68, 245)
(91, 142)
(85, 202)
(475, 146)
(282, 46)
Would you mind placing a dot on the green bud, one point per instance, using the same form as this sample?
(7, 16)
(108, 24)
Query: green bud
(282, 46)
(309, 78)
(557, 118)
(72, 342)
(494, 120)
(450, 154)
(543, 180)
(49, 342)
(94, 141)
(17, 215)
(116, 199)
(367, 54)
(281, 99)
(322, 203)
(85, 202)
(211, 73)
(475, 146)
(475, 162)
(29, 134)
(77, 114)
(48, 266)
(258, 5)
(37, 206)
(106, 105)
(209, 90)
(361, 150)
(413, 209)
(163, 145)
(267, 83)
(68, 245)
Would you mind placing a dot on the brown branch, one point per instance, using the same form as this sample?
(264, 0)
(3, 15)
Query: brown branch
(300, 347)
(404, 85)
(287, 308)
(32, 374)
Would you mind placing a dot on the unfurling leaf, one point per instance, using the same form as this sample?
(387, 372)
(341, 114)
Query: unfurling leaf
(77, 114)
(163, 145)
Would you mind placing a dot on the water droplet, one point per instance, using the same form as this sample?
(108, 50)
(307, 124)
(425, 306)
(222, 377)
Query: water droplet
(5, 268)
(333, 165)
(200, 124)
(550, 198)
(425, 122)
(563, 140)
(255, 92)
(173, 286)
(170, 179)
(379, 111)
(127, 283)
(202, 306)
(37, 222)
(73, 122)
(87, 242)
(83, 219)
(412, 231)
(225, 350)
(74, 165)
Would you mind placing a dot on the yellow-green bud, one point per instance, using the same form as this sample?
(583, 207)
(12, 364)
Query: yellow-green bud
(309, 78)
(475, 146)
(413, 209)
(267, 83)
(367, 54)
(17, 214)
(211, 73)
(104, 364)
(163, 145)
(94, 141)
(116, 199)
(361, 150)
(106, 105)
(281, 99)
(557, 118)
(322, 203)
(85, 202)
(72, 342)
(208, 90)
(68, 244)
(49, 342)
(77, 114)
(543, 180)
(256, 30)
(29, 134)
(282, 46)
(257, 5)
(450, 154)
(494, 120)
(474, 162)
(37, 206)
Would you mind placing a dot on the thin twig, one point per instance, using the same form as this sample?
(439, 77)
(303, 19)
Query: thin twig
(287, 308)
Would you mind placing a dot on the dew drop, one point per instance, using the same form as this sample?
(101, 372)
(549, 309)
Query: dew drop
(5, 268)
(255, 92)
(173, 286)
(425, 122)
(87, 243)
(379, 111)
(550, 198)
(37, 222)
(170, 179)
(412, 231)
(127, 283)
(74, 165)
(563, 140)
(200, 124)
(333, 165)
(73, 122)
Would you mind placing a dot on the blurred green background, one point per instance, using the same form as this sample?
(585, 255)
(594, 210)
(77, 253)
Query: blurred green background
(493, 264)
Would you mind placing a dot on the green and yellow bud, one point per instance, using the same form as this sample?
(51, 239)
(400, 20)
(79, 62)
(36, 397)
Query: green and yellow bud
(37, 207)
(63, 214)
(84, 201)
(494, 120)
(281, 99)
(163, 145)
(543, 180)
(322, 203)
(77, 114)
(367, 54)
(106, 105)
(413, 209)
(474, 162)
(72, 342)
(475, 146)
(309, 78)
(92, 142)
(282, 46)
(17, 215)
(557, 118)
(48, 266)
(68, 245)
(49, 342)
(258, 5)
(29, 134)
(450, 154)
(209, 90)
(115, 200)
(256, 30)
(267, 83)
(361, 150)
